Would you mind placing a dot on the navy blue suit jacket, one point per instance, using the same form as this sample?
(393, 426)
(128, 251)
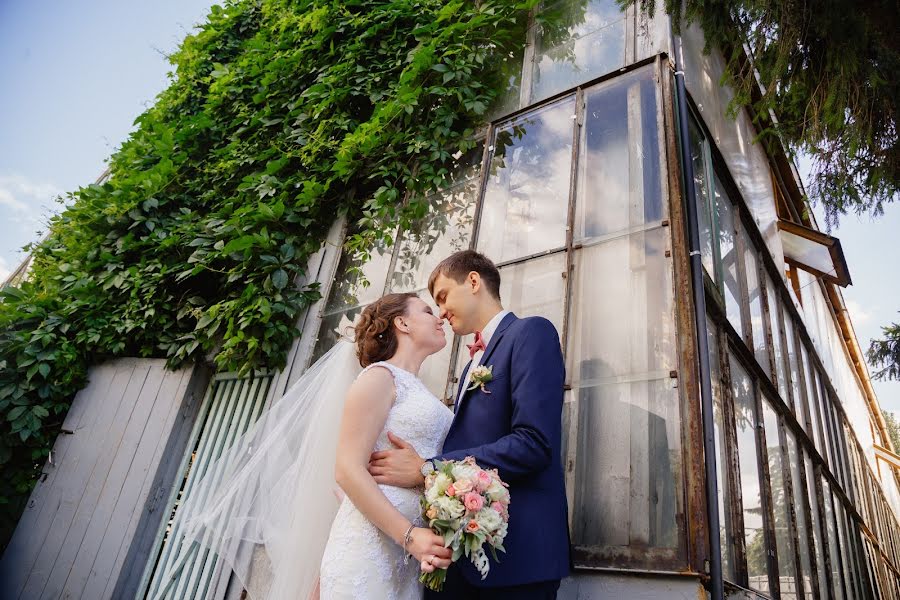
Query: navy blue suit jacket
(516, 428)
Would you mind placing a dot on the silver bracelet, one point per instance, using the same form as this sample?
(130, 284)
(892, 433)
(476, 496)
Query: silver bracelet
(407, 538)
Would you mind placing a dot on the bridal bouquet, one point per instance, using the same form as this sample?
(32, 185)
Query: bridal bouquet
(469, 506)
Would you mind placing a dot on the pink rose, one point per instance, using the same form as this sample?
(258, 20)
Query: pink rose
(500, 509)
(451, 491)
(483, 481)
(431, 513)
(473, 502)
(471, 526)
(462, 486)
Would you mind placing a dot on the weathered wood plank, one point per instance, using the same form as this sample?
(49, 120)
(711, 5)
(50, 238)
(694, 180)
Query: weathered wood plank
(123, 460)
(69, 486)
(24, 545)
(170, 453)
(71, 522)
(124, 518)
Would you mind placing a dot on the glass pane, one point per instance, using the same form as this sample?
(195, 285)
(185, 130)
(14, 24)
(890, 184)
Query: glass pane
(754, 292)
(830, 526)
(812, 401)
(701, 189)
(745, 422)
(447, 228)
(526, 201)
(619, 168)
(726, 536)
(508, 83)
(627, 465)
(817, 528)
(821, 423)
(334, 327)
(847, 552)
(620, 351)
(579, 41)
(357, 284)
(774, 320)
(793, 364)
(795, 460)
(728, 253)
(807, 252)
(784, 536)
(621, 326)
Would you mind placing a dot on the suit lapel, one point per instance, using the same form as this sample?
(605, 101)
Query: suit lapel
(462, 381)
(495, 339)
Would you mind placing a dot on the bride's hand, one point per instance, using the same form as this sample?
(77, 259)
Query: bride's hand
(428, 548)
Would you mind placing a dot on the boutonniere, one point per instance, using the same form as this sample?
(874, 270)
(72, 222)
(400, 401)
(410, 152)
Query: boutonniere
(480, 376)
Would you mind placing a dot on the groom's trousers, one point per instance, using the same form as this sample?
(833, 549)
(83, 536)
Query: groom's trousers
(457, 588)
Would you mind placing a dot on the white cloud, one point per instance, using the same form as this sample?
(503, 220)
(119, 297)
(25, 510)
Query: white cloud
(858, 314)
(4, 269)
(25, 196)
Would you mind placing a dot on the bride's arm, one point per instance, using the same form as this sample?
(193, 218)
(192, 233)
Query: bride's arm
(366, 410)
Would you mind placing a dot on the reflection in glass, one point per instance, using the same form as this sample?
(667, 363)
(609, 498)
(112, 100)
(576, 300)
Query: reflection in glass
(795, 462)
(816, 527)
(701, 189)
(784, 538)
(526, 200)
(356, 284)
(793, 364)
(847, 552)
(728, 270)
(754, 293)
(817, 412)
(620, 351)
(726, 536)
(445, 229)
(831, 528)
(745, 423)
(619, 168)
(622, 310)
(579, 40)
(627, 469)
(774, 320)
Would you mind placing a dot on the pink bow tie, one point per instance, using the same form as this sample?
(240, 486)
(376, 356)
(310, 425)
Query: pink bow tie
(478, 345)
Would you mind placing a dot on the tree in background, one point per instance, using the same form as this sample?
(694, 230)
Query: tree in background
(893, 427)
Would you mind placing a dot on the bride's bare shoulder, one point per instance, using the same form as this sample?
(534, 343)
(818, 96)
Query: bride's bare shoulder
(376, 381)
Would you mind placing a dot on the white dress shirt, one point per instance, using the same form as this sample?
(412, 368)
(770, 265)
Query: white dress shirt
(486, 335)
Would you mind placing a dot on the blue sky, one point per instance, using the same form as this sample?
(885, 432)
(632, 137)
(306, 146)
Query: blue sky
(76, 74)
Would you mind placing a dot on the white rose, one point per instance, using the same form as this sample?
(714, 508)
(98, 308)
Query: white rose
(440, 485)
(465, 471)
(497, 492)
(488, 519)
(449, 508)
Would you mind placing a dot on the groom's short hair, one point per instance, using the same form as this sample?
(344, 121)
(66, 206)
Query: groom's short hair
(458, 265)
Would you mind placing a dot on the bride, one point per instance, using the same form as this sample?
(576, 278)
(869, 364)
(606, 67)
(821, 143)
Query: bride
(269, 505)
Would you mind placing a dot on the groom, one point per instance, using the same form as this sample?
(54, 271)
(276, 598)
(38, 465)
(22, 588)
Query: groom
(511, 423)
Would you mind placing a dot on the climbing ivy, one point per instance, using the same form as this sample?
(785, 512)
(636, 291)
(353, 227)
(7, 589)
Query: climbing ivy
(280, 115)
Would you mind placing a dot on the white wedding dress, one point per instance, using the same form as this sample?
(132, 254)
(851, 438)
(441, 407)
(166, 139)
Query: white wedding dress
(360, 561)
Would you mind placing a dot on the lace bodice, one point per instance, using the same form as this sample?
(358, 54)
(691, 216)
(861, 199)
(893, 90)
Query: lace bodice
(417, 415)
(360, 561)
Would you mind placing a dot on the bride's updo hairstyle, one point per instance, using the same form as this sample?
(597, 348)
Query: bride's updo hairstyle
(376, 337)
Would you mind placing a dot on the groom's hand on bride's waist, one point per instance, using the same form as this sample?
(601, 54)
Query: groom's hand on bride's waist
(400, 467)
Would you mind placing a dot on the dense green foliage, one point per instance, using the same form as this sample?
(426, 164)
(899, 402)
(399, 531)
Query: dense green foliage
(829, 71)
(280, 116)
